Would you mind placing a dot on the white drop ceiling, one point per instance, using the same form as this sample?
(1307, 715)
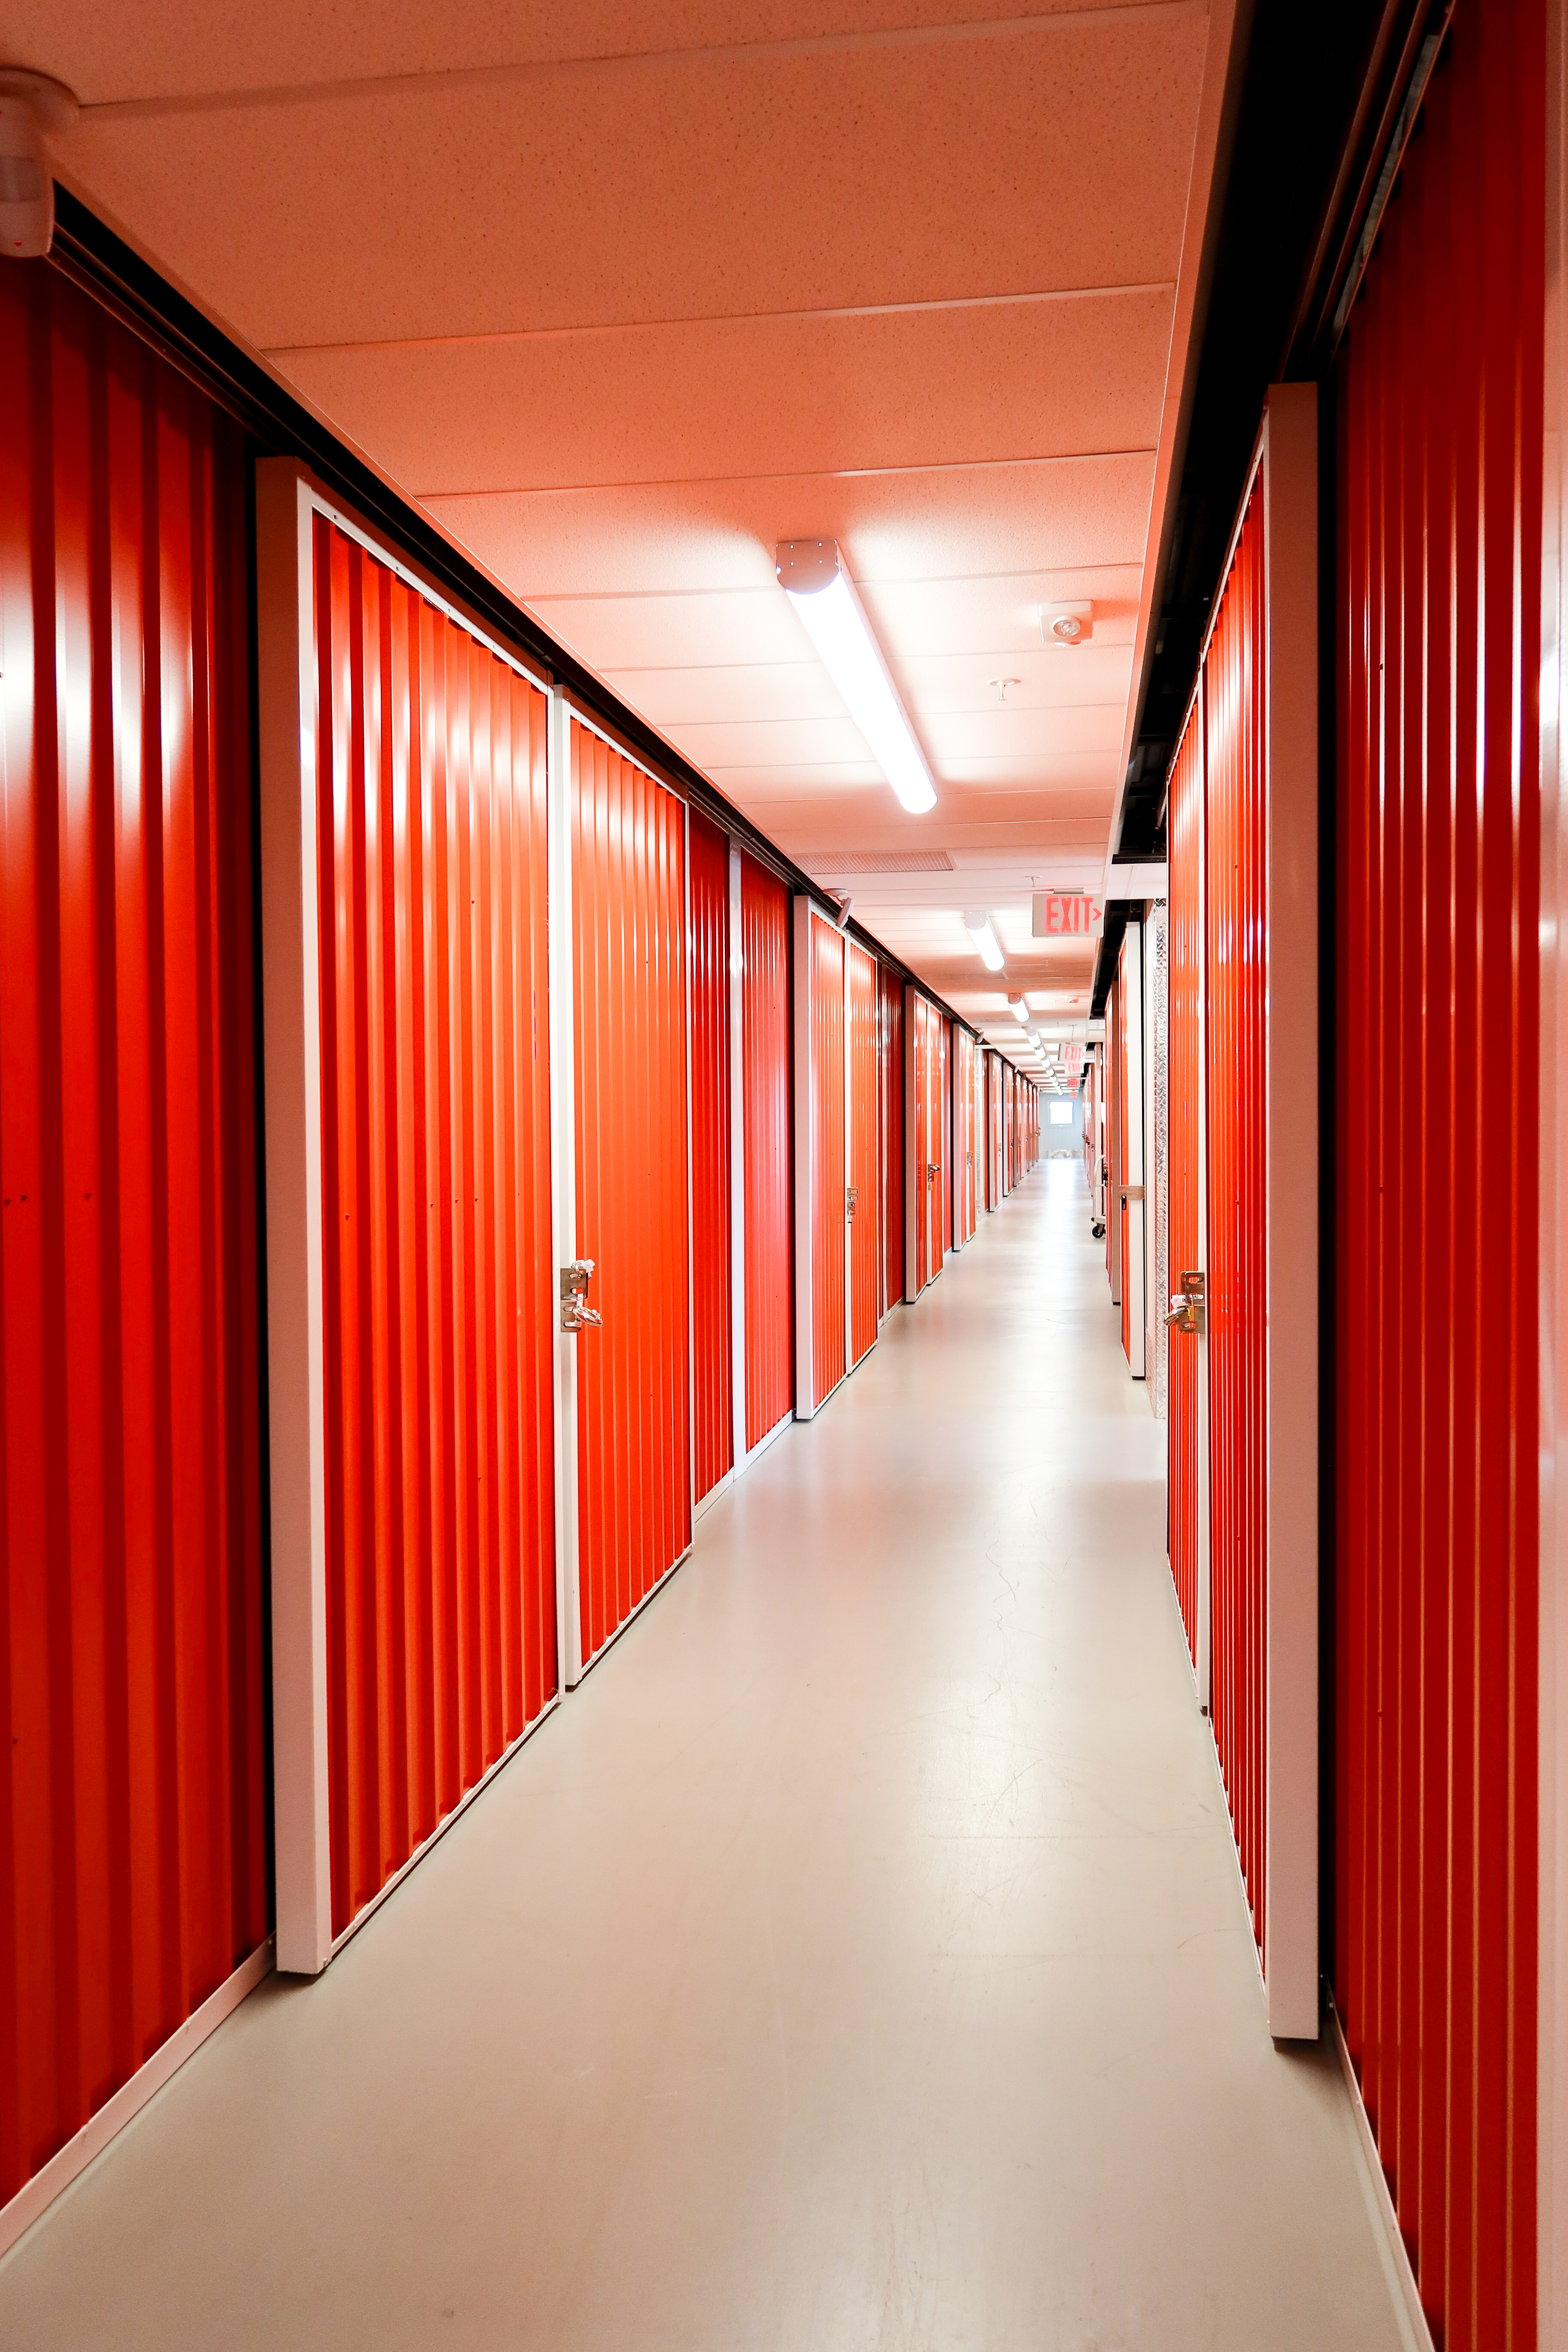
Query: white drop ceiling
(625, 295)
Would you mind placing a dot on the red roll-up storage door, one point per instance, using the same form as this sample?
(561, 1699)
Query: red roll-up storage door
(1235, 785)
(766, 1151)
(1113, 1119)
(628, 933)
(864, 1171)
(713, 1409)
(924, 1161)
(821, 1145)
(1186, 1433)
(431, 858)
(827, 1149)
(1438, 1286)
(944, 1126)
(133, 1864)
(890, 1051)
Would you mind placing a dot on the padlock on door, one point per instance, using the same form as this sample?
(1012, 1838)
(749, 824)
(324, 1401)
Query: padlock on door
(576, 1315)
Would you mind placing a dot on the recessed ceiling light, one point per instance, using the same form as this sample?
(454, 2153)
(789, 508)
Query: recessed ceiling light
(812, 574)
(987, 946)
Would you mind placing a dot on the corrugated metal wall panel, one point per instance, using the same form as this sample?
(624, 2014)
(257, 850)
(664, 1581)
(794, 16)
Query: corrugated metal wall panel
(993, 1150)
(1439, 458)
(864, 1171)
(1112, 1143)
(1235, 757)
(944, 1132)
(708, 853)
(765, 1111)
(133, 1867)
(435, 1090)
(963, 1133)
(827, 1165)
(890, 1051)
(1127, 1009)
(1185, 1204)
(628, 906)
(927, 1141)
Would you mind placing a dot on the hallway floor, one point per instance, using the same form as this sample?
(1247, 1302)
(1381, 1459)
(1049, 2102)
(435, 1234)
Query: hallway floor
(855, 1959)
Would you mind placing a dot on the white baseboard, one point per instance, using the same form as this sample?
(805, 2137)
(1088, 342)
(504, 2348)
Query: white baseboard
(1406, 2294)
(67, 2163)
(699, 1510)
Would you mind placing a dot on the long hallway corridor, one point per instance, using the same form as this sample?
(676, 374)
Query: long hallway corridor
(857, 1959)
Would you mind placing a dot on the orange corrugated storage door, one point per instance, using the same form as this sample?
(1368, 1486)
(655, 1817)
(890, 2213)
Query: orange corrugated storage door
(713, 1425)
(766, 1151)
(944, 1126)
(133, 1863)
(431, 849)
(1186, 1156)
(1234, 759)
(1126, 1111)
(936, 1150)
(926, 1168)
(1440, 1290)
(1114, 1260)
(628, 937)
(993, 1130)
(865, 1238)
(827, 1171)
(890, 1052)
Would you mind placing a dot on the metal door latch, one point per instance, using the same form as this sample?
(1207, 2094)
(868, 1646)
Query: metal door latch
(1130, 1192)
(1187, 1303)
(576, 1315)
(851, 1201)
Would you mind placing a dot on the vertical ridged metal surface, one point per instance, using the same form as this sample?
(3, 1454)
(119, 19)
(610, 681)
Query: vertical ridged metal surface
(1186, 1161)
(1236, 947)
(827, 1159)
(994, 1114)
(864, 1171)
(765, 1109)
(944, 1131)
(440, 1587)
(629, 934)
(1160, 1167)
(134, 1866)
(708, 852)
(890, 1054)
(1127, 1010)
(1438, 491)
(1112, 1141)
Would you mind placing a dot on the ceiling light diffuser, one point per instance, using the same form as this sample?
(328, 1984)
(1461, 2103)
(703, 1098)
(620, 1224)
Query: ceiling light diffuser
(986, 944)
(813, 576)
(1017, 1008)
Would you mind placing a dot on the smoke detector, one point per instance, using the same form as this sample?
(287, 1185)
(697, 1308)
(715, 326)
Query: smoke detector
(30, 104)
(1067, 624)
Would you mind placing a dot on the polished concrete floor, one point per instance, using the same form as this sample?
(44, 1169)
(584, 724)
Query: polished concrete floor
(856, 1959)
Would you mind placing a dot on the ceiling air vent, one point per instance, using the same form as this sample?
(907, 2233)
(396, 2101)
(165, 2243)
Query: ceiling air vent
(878, 861)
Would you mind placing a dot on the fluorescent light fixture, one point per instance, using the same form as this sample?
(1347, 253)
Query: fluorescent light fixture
(986, 944)
(812, 574)
(1017, 1008)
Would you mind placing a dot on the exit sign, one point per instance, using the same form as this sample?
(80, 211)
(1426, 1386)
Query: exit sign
(1068, 915)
